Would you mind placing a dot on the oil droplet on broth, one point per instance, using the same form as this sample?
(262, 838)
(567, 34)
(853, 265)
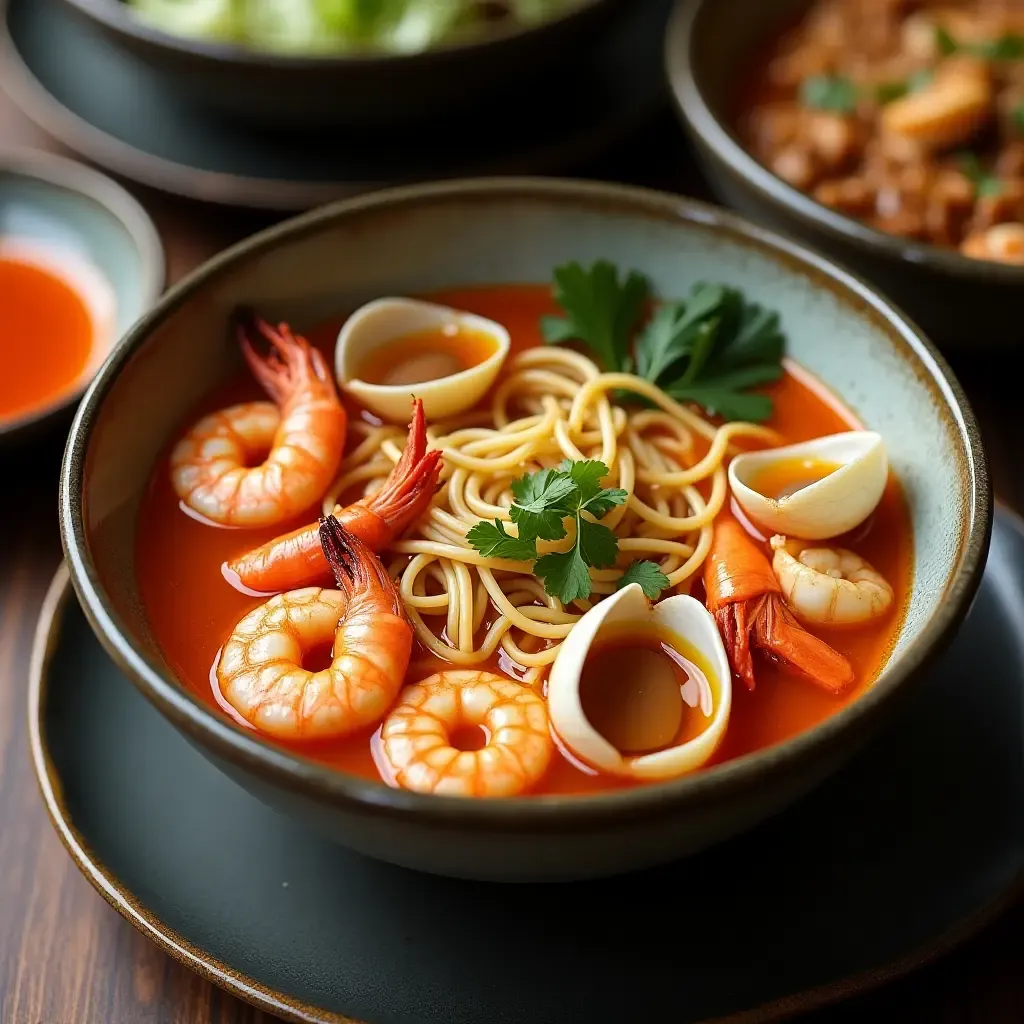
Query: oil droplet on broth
(426, 355)
(636, 692)
(787, 476)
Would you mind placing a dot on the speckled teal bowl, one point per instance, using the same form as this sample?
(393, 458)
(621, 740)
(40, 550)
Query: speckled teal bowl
(463, 233)
(46, 199)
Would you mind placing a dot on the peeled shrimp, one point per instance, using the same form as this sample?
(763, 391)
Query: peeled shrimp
(829, 586)
(417, 745)
(297, 558)
(260, 670)
(299, 440)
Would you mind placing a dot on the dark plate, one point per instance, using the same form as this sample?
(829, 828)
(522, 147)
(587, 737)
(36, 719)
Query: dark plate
(916, 844)
(102, 102)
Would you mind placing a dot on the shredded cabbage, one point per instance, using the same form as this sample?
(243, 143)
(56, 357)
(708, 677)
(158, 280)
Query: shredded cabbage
(325, 26)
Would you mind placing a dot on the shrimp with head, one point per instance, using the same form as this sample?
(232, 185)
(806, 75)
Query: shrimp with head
(295, 441)
(260, 670)
(829, 586)
(747, 603)
(297, 558)
(418, 749)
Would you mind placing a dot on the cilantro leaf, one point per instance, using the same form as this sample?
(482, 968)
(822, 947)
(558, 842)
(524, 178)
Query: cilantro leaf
(829, 92)
(538, 510)
(674, 329)
(600, 310)
(650, 577)
(586, 476)
(596, 543)
(730, 405)
(565, 575)
(604, 501)
(491, 540)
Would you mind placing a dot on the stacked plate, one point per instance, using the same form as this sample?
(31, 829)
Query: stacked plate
(217, 123)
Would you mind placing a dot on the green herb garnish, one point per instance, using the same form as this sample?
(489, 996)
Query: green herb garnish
(709, 349)
(1009, 46)
(985, 184)
(650, 577)
(945, 42)
(599, 310)
(544, 501)
(829, 92)
(886, 92)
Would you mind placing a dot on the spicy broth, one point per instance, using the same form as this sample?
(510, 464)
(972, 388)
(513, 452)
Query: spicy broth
(191, 609)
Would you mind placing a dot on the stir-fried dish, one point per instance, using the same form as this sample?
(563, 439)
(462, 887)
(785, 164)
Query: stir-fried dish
(906, 114)
(612, 540)
(337, 26)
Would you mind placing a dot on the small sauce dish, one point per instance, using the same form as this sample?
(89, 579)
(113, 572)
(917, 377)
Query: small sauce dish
(394, 349)
(80, 262)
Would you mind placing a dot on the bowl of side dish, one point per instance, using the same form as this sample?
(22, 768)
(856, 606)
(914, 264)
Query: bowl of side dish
(347, 64)
(887, 138)
(576, 654)
(80, 261)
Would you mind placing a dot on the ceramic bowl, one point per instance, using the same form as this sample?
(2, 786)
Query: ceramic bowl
(48, 202)
(283, 90)
(964, 304)
(333, 260)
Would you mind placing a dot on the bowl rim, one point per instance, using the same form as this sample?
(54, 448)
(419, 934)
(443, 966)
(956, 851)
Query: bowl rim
(224, 739)
(69, 175)
(702, 122)
(115, 16)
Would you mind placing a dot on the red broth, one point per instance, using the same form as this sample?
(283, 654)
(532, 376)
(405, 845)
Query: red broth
(48, 328)
(192, 610)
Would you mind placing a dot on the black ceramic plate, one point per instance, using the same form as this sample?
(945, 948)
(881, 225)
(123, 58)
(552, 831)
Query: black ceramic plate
(912, 847)
(117, 111)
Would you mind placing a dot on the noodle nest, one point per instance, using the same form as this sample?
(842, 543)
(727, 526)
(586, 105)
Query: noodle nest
(552, 404)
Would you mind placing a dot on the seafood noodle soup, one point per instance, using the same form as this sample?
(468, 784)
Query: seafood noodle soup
(645, 543)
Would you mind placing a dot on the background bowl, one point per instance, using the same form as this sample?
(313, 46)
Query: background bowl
(963, 303)
(332, 89)
(512, 230)
(49, 201)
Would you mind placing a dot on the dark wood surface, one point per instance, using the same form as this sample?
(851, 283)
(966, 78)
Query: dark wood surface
(68, 958)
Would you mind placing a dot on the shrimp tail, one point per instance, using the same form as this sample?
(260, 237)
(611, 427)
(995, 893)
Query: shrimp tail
(733, 624)
(776, 630)
(410, 486)
(296, 559)
(357, 570)
(289, 361)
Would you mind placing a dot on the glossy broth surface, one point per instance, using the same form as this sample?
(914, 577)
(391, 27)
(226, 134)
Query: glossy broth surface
(192, 610)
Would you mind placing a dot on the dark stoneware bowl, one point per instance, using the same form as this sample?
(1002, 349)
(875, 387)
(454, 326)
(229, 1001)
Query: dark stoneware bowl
(514, 230)
(964, 304)
(282, 90)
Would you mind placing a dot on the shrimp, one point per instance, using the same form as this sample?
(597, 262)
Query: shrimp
(304, 429)
(829, 586)
(746, 601)
(416, 738)
(297, 558)
(260, 669)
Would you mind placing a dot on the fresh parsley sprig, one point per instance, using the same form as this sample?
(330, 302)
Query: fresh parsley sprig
(710, 348)
(544, 502)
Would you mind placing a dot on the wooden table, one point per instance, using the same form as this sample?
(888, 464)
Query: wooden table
(68, 958)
